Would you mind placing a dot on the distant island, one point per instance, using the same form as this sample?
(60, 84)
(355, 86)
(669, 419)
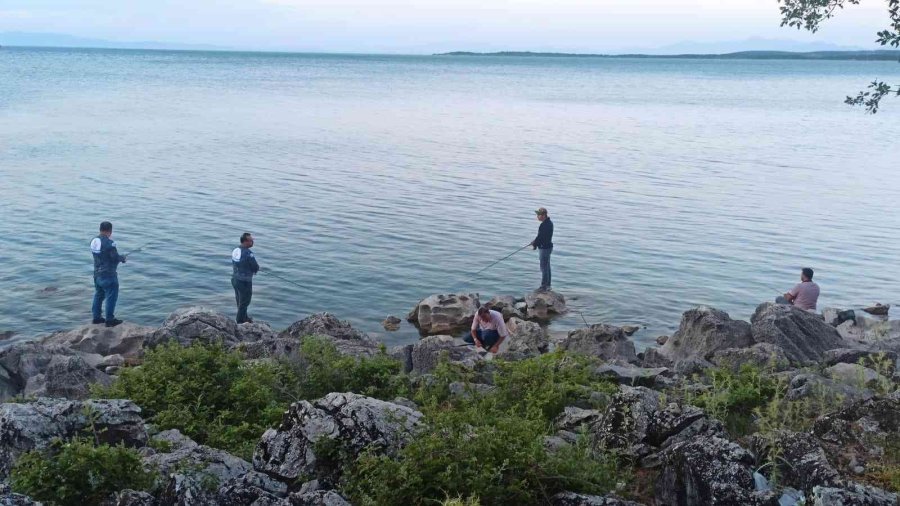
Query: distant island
(876, 55)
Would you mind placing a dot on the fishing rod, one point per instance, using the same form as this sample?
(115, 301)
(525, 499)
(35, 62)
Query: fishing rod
(138, 250)
(473, 276)
(269, 272)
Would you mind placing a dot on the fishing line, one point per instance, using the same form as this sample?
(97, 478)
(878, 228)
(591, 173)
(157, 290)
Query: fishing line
(473, 276)
(270, 273)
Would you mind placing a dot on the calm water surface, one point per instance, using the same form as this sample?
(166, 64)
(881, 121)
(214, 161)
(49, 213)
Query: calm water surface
(374, 181)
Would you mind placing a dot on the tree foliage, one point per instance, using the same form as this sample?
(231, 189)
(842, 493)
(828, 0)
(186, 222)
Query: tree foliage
(809, 14)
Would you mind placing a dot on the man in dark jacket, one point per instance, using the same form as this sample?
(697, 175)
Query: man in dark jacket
(106, 279)
(544, 244)
(244, 267)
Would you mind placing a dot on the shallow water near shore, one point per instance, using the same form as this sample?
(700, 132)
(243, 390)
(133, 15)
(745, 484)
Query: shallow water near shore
(374, 181)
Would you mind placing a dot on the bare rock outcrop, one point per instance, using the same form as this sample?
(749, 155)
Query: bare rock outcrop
(703, 331)
(804, 336)
(544, 305)
(442, 314)
(198, 324)
(347, 340)
(600, 340)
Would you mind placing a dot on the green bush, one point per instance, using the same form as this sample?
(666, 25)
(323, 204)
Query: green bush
(321, 369)
(733, 397)
(77, 472)
(491, 446)
(208, 393)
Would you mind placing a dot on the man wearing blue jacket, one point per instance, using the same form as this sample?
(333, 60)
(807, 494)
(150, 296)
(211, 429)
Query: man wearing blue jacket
(244, 267)
(106, 279)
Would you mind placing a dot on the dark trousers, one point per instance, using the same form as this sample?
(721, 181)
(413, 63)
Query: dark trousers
(243, 292)
(544, 254)
(488, 338)
(106, 289)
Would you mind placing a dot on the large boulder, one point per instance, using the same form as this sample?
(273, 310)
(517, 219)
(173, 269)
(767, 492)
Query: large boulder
(639, 423)
(600, 340)
(443, 314)
(69, 377)
(252, 488)
(543, 305)
(506, 304)
(51, 370)
(799, 460)
(853, 494)
(191, 473)
(348, 422)
(345, 338)
(198, 324)
(804, 336)
(707, 470)
(703, 332)
(765, 356)
(126, 339)
(8, 498)
(526, 339)
(425, 355)
(34, 425)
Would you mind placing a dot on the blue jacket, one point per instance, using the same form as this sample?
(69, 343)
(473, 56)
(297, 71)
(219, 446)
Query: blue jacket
(106, 257)
(243, 264)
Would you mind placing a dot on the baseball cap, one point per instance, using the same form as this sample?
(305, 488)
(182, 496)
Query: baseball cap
(541, 211)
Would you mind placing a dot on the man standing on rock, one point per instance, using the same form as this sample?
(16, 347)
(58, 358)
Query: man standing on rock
(244, 267)
(805, 295)
(106, 279)
(544, 244)
(488, 329)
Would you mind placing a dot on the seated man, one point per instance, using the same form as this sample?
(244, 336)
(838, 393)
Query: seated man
(805, 295)
(488, 329)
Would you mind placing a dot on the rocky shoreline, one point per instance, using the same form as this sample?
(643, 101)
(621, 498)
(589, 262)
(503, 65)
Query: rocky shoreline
(848, 359)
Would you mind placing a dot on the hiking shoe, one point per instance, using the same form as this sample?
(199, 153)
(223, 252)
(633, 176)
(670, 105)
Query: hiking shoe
(113, 322)
(98, 321)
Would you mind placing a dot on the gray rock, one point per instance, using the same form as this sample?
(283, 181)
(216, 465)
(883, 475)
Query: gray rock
(8, 498)
(703, 331)
(853, 494)
(252, 488)
(188, 325)
(352, 422)
(804, 336)
(52, 370)
(192, 473)
(661, 340)
(633, 376)
(763, 355)
(280, 347)
(130, 498)
(573, 499)
(426, 354)
(69, 377)
(506, 304)
(825, 390)
(861, 422)
(544, 305)
(630, 330)
(34, 425)
(403, 354)
(836, 317)
(345, 338)
(706, 470)
(868, 357)
(466, 390)
(318, 498)
(801, 462)
(525, 338)
(126, 339)
(601, 340)
(391, 323)
(855, 375)
(256, 331)
(441, 314)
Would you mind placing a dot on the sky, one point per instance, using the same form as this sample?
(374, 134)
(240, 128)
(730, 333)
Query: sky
(424, 26)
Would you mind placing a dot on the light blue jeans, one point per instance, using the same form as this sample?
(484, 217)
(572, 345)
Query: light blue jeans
(544, 254)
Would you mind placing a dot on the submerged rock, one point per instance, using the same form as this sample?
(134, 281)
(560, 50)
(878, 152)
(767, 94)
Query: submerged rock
(441, 314)
(804, 336)
(391, 323)
(600, 340)
(348, 421)
(346, 339)
(34, 425)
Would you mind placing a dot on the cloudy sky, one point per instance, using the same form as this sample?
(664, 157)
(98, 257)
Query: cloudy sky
(419, 26)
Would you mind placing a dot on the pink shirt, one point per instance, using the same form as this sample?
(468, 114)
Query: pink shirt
(496, 323)
(807, 295)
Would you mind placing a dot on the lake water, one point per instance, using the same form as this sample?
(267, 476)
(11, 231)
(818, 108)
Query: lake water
(374, 181)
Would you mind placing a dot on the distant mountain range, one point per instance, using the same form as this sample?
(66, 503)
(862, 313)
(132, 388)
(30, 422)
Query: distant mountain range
(878, 55)
(30, 39)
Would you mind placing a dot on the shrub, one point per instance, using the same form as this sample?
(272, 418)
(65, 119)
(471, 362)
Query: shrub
(208, 393)
(491, 446)
(733, 397)
(77, 472)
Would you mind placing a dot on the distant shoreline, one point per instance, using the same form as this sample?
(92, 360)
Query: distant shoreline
(875, 55)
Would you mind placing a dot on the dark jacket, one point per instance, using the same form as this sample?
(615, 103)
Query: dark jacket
(544, 239)
(243, 264)
(106, 257)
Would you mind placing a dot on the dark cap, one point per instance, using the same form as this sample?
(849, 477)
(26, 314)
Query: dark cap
(541, 211)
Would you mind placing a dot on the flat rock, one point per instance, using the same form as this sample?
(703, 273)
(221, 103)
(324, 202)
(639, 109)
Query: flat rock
(543, 305)
(442, 314)
(804, 336)
(633, 376)
(351, 421)
(600, 340)
(765, 356)
(878, 309)
(198, 324)
(343, 336)
(703, 331)
(34, 425)
(126, 339)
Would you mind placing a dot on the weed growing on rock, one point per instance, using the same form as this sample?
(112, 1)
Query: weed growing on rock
(733, 397)
(77, 472)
